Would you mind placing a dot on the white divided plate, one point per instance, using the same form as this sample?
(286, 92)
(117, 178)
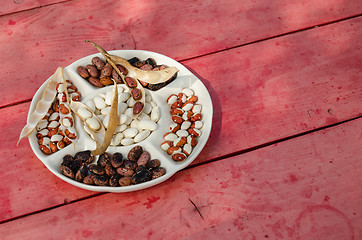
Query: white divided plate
(151, 144)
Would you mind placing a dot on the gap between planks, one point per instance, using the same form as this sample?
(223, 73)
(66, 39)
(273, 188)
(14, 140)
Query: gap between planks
(66, 201)
(223, 50)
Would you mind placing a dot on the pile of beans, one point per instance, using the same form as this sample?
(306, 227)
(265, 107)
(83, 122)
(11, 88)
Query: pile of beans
(112, 169)
(56, 130)
(186, 127)
(100, 73)
(131, 129)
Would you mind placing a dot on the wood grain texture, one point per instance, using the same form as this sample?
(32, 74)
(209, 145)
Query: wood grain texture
(34, 43)
(304, 188)
(274, 89)
(13, 6)
(280, 87)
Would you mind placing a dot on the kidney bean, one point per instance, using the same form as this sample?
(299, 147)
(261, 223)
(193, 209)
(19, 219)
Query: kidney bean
(99, 63)
(95, 81)
(83, 72)
(92, 70)
(138, 107)
(107, 70)
(131, 82)
(136, 94)
(106, 81)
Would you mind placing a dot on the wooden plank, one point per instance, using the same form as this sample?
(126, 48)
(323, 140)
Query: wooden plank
(25, 180)
(271, 90)
(292, 99)
(13, 6)
(304, 188)
(34, 43)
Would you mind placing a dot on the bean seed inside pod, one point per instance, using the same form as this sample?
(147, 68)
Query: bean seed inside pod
(131, 82)
(136, 94)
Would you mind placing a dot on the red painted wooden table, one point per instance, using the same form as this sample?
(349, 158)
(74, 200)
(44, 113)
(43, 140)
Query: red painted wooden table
(284, 157)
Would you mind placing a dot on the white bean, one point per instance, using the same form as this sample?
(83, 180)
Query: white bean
(106, 110)
(142, 135)
(121, 128)
(105, 121)
(130, 132)
(127, 141)
(155, 114)
(109, 96)
(120, 89)
(84, 113)
(147, 109)
(144, 116)
(124, 96)
(116, 140)
(153, 104)
(131, 102)
(125, 119)
(91, 105)
(87, 130)
(148, 98)
(129, 112)
(122, 107)
(93, 123)
(99, 102)
(134, 123)
(147, 124)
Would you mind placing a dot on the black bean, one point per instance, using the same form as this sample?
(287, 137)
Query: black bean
(135, 153)
(84, 156)
(116, 160)
(141, 176)
(104, 159)
(66, 171)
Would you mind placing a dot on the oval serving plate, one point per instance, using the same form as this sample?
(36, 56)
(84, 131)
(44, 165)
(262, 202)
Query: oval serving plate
(152, 143)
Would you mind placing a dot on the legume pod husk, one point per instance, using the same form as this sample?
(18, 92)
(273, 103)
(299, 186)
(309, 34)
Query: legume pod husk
(43, 104)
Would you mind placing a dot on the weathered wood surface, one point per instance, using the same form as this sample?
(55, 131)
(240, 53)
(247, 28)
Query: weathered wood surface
(34, 43)
(276, 96)
(304, 188)
(14, 6)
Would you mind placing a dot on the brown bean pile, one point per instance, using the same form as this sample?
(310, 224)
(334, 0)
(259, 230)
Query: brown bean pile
(100, 73)
(112, 169)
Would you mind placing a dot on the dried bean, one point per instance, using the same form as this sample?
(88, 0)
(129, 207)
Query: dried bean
(66, 171)
(116, 160)
(99, 63)
(84, 156)
(135, 153)
(83, 72)
(158, 172)
(92, 70)
(95, 81)
(104, 159)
